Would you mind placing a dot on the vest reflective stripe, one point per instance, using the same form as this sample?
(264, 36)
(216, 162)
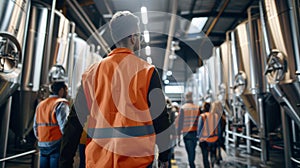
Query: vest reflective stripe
(47, 126)
(121, 132)
(190, 117)
(120, 122)
(209, 132)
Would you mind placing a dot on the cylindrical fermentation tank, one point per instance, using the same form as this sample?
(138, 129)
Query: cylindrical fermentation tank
(283, 64)
(34, 75)
(13, 19)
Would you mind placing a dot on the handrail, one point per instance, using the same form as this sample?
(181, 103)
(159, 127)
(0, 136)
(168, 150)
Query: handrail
(18, 155)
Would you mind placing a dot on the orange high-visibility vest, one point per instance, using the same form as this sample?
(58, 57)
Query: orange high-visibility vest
(209, 132)
(47, 126)
(120, 123)
(190, 117)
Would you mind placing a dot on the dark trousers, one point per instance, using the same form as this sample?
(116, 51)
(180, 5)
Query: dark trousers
(49, 156)
(205, 148)
(190, 142)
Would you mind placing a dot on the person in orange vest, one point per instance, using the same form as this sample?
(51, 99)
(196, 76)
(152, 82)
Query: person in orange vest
(49, 121)
(187, 125)
(127, 108)
(208, 132)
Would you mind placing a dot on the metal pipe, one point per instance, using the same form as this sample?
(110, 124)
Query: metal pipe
(265, 154)
(286, 139)
(217, 17)
(71, 55)
(170, 38)
(4, 130)
(94, 33)
(248, 132)
(243, 136)
(46, 59)
(18, 155)
(295, 160)
(295, 34)
(256, 148)
(103, 44)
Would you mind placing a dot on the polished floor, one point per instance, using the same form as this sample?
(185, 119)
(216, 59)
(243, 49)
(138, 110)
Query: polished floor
(233, 158)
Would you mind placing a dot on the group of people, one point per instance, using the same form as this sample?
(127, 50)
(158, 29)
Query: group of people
(204, 124)
(121, 113)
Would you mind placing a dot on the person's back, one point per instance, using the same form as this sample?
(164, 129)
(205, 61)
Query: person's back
(209, 129)
(49, 121)
(187, 125)
(122, 126)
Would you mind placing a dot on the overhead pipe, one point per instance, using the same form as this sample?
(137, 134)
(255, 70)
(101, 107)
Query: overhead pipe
(92, 29)
(170, 38)
(217, 17)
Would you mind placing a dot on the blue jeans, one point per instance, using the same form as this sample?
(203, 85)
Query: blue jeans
(49, 156)
(190, 141)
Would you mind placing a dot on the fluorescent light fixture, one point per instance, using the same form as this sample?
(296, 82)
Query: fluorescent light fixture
(148, 50)
(144, 15)
(146, 36)
(197, 24)
(149, 60)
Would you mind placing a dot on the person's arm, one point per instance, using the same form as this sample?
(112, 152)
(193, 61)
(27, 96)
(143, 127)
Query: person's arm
(161, 122)
(62, 112)
(200, 126)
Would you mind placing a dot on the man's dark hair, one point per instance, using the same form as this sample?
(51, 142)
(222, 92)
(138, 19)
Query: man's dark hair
(206, 107)
(56, 86)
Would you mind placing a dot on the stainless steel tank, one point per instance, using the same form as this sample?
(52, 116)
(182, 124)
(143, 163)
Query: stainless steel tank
(34, 88)
(283, 64)
(59, 46)
(13, 19)
(250, 79)
(13, 15)
(214, 67)
(203, 81)
(225, 53)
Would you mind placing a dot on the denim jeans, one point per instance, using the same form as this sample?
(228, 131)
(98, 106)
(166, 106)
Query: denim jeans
(49, 156)
(205, 148)
(190, 141)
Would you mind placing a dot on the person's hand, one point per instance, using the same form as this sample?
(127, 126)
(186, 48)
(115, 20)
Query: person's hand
(163, 164)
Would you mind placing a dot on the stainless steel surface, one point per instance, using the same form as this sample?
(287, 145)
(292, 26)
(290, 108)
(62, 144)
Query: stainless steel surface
(286, 135)
(5, 119)
(214, 67)
(280, 28)
(250, 55)
(13, 19)
(35, 48)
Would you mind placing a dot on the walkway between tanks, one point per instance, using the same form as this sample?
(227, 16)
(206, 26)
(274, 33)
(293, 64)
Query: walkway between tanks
(233, 159)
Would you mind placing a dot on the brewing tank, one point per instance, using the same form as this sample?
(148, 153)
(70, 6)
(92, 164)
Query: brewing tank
(283, 63)
(13, 19)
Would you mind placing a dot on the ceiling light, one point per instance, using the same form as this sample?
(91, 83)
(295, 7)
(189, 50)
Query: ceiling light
(144, 15)
(148, 50)
(149, 60)
(146, 36)
(166, 81)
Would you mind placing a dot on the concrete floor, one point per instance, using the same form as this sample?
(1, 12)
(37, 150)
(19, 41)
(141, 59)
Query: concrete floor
(233, 158)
